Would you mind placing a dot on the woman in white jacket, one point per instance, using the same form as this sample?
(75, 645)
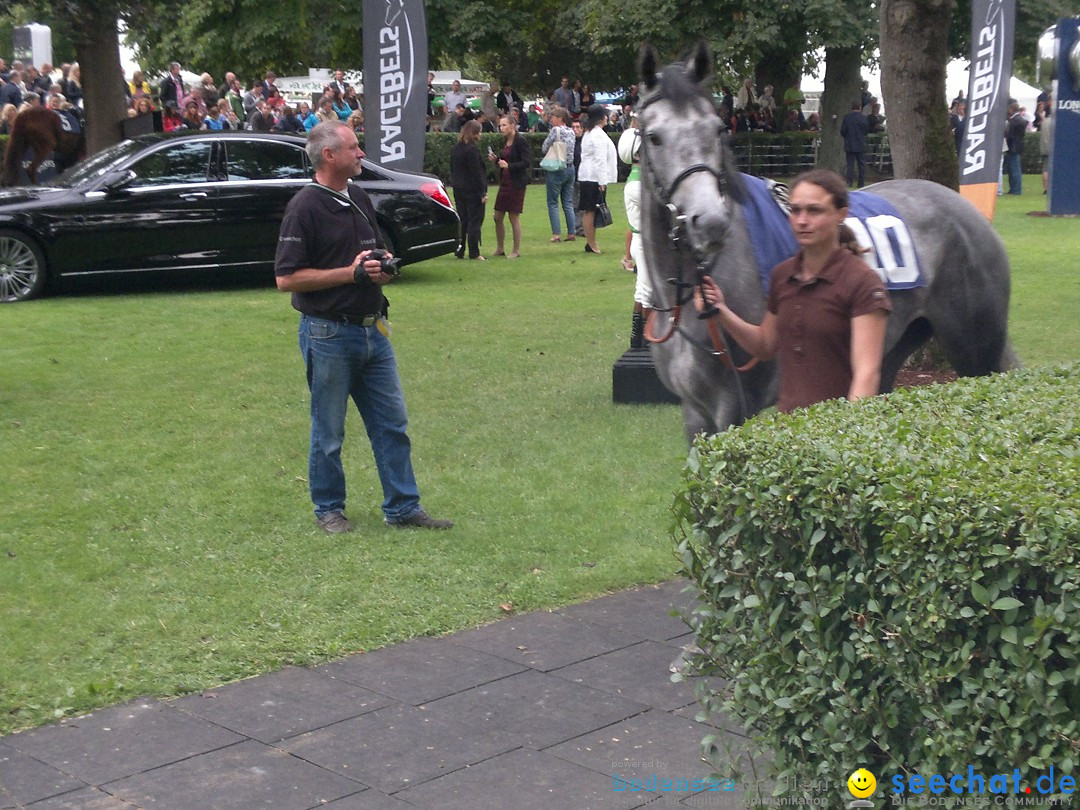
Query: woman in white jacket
(599, 167)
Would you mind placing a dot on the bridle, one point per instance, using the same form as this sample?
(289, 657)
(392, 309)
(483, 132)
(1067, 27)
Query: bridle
(678, 236)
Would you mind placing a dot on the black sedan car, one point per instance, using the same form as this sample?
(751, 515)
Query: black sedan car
(202, 201)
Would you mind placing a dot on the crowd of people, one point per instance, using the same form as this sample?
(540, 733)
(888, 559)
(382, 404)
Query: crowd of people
(24, 87)
(260, 107)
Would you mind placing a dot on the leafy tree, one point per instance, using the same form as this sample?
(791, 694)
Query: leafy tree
(914, 52)
(89, 28)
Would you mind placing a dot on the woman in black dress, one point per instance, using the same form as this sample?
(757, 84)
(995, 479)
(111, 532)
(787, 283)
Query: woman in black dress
(469, 180)
(513, 162)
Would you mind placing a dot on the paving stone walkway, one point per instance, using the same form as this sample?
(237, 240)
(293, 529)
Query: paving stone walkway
(543, 710)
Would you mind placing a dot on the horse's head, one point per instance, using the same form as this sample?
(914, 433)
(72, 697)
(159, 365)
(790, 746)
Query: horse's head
(688, 169)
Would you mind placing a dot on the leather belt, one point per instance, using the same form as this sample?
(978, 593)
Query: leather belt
(352, 320)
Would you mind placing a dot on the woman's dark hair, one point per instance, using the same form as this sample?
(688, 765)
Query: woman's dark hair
(833, 184)
(470, 132)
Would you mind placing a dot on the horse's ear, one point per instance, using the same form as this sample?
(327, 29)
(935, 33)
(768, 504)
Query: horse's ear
(700, 63)
(647, 62)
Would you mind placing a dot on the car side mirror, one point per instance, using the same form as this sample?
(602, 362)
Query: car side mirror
(116, 181)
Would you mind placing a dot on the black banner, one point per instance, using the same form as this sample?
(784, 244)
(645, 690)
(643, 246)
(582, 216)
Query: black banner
(992, 30)
(395, 83)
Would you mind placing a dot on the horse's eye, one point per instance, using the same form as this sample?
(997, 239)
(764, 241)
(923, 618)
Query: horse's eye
(654, 139)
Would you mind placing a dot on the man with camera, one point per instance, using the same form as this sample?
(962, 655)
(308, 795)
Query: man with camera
(328, 258)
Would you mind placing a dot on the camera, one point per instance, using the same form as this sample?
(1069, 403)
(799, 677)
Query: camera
(386, 265)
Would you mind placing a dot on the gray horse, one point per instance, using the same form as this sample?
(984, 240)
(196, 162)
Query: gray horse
(692, 222)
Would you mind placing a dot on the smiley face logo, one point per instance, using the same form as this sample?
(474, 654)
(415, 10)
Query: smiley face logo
(861, 783)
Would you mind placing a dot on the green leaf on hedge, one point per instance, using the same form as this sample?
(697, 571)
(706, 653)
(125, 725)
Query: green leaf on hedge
(1006, 603)
(752, 601)
(981, 595)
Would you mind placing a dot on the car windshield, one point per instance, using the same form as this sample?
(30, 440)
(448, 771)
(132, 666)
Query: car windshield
(95, 165)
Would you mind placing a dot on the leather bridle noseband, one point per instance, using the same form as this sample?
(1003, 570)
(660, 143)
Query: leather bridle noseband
(679, 238)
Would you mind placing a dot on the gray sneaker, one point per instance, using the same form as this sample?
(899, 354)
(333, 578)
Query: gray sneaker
(334, 523)
(420, 520)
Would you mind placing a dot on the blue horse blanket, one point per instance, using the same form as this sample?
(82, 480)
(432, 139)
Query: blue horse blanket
(876, 223)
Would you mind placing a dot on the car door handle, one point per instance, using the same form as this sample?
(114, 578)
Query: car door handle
(193, 195)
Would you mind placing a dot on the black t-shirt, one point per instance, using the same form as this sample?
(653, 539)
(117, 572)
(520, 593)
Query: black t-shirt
(321, 230)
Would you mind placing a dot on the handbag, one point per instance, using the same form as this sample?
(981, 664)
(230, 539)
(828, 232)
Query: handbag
(603, 213)
(555, 159)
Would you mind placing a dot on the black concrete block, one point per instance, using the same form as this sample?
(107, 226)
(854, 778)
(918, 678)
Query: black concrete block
(634, 380)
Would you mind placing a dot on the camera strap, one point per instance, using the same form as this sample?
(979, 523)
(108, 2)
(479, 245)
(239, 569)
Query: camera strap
(347, 198)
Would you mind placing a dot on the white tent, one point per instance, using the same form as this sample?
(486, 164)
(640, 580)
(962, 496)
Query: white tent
(956, 79)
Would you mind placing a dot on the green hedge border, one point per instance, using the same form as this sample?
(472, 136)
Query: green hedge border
(895, 584)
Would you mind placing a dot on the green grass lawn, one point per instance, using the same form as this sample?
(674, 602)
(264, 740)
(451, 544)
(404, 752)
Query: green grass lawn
(157, 535)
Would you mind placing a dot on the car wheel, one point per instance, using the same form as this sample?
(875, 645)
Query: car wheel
(22, 268)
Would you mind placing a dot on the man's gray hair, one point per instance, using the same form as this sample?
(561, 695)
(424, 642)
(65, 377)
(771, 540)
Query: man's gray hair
(323, 136)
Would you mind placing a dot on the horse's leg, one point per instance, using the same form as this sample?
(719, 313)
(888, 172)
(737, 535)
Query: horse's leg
(975, 345)
(914, 336)
(695, 422)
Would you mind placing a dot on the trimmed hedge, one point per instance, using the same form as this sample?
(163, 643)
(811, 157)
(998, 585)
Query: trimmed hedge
(896, 584)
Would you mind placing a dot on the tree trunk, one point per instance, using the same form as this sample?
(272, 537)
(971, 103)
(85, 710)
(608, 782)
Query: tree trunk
(97, 46)
(842, 86)
(914, 52)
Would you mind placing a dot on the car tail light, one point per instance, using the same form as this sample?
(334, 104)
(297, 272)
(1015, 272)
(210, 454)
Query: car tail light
(436, 191)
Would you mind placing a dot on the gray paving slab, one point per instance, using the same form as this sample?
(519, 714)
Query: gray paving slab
(121, 740)
(536, 711)
(421, 670)
(370, 799)
(539, 709)
(247, 775)
(544, 641)
(644, 611)
(282, 704)
(524, 780)
(393, 748)
(90, 798)
(655, 752)
(718, 720)
(24, 780)
(639, 673)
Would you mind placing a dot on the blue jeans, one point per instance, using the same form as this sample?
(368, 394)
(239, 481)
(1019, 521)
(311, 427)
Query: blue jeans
(1012, 167)
(343, 361)
(560, 184)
